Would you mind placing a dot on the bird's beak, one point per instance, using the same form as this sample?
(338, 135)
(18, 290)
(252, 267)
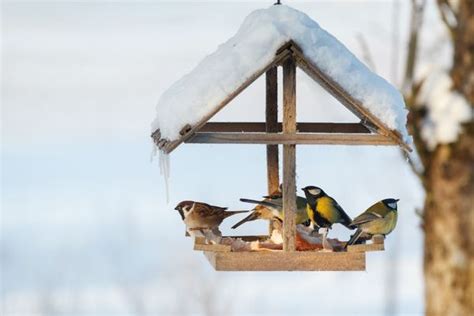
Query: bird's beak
(176, 208)
(396, 200)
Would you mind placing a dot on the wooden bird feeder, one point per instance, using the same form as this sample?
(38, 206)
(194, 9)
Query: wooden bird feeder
(289, 133)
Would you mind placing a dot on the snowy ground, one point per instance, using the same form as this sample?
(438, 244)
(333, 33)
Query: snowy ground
(85, 225)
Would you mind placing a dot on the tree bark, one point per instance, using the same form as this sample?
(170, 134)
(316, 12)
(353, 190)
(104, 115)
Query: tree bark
(449, 227)
(449, 183)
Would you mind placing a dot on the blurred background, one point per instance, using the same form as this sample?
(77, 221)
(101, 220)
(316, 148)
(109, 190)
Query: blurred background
(86, 228)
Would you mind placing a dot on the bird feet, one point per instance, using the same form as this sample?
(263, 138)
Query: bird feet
(326, 244)
(211, 236)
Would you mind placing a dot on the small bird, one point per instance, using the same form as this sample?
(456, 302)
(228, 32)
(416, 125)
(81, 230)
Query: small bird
(379, 219)
(202, 217)
(259, 212)
(324, 211)
(272, 208)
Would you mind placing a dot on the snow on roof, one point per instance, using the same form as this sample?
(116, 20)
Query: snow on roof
(262, 33)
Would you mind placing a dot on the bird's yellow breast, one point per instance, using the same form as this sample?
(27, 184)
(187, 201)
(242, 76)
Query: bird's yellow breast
(326, 208)
(310, 212)
(382, 226)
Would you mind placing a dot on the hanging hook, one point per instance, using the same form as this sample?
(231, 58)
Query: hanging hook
(277, 3)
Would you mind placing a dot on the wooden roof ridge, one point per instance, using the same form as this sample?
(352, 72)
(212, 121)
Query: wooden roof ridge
(290, 49)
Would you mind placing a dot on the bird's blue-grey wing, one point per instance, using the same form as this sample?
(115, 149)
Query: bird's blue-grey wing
(365, 218)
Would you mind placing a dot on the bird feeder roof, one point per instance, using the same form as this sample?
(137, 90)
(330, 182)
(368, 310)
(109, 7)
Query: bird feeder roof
(257, 46)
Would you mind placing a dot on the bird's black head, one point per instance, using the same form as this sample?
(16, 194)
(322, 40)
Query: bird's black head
(183, 208)
(313, 191)
(391, 203)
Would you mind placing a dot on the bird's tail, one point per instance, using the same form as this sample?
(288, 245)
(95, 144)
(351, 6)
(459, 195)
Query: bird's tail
(249, 218)
(347, 221)
(354, 237)
(230, 213)
(264, 203)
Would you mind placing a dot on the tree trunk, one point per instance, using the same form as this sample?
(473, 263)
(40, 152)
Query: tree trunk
(449, 184)
(449, 227)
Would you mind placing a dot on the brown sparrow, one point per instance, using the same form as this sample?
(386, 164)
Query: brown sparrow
(203, 218)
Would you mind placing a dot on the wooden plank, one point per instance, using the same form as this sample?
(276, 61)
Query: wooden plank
(366, 247)
(250, 237)
(342, 96)
(200, 245)
(271, 126)
(289, 156)
(291, 139)
(212, 247)
(169, 147)
(260, 127)
(286, 261)
(378, 239)
(211, 257)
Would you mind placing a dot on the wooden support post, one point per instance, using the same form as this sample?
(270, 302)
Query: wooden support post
(289, 155)
(271, 126)
(271, 115)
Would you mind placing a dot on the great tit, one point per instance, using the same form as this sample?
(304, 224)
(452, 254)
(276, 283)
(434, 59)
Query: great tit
(200, 216)
(272, 208)
(324, 211)
(379, 219)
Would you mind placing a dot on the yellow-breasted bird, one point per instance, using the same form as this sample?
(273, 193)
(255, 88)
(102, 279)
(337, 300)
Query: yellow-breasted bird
(324, 211)
(379, 219)
(202, 217)
(272, 208)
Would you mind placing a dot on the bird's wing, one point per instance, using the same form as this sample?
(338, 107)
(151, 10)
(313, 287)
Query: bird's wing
(206, 210)
(346, 220)
(365, 217)
(253, 216)
(273, 196)
(301, 202)
(264, 203)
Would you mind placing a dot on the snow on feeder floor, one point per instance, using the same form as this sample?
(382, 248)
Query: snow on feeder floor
(270, 38)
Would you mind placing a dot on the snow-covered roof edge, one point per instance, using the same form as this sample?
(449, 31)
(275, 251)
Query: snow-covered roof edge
(199, 94)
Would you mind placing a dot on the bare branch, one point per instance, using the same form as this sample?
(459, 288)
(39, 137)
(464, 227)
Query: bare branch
(418, 7)
(395, 50)
(448, 15)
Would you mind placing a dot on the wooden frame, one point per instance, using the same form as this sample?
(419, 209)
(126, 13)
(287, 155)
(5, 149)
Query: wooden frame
(260, 127)
(289, 156)
(291, 139)
(222, 258)
(286, 261)
(288, 133)
(271, 126)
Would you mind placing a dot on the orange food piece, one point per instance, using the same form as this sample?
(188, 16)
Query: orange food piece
(303, 245)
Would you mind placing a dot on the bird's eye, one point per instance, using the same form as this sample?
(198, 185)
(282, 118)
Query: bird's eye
(314, 191)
